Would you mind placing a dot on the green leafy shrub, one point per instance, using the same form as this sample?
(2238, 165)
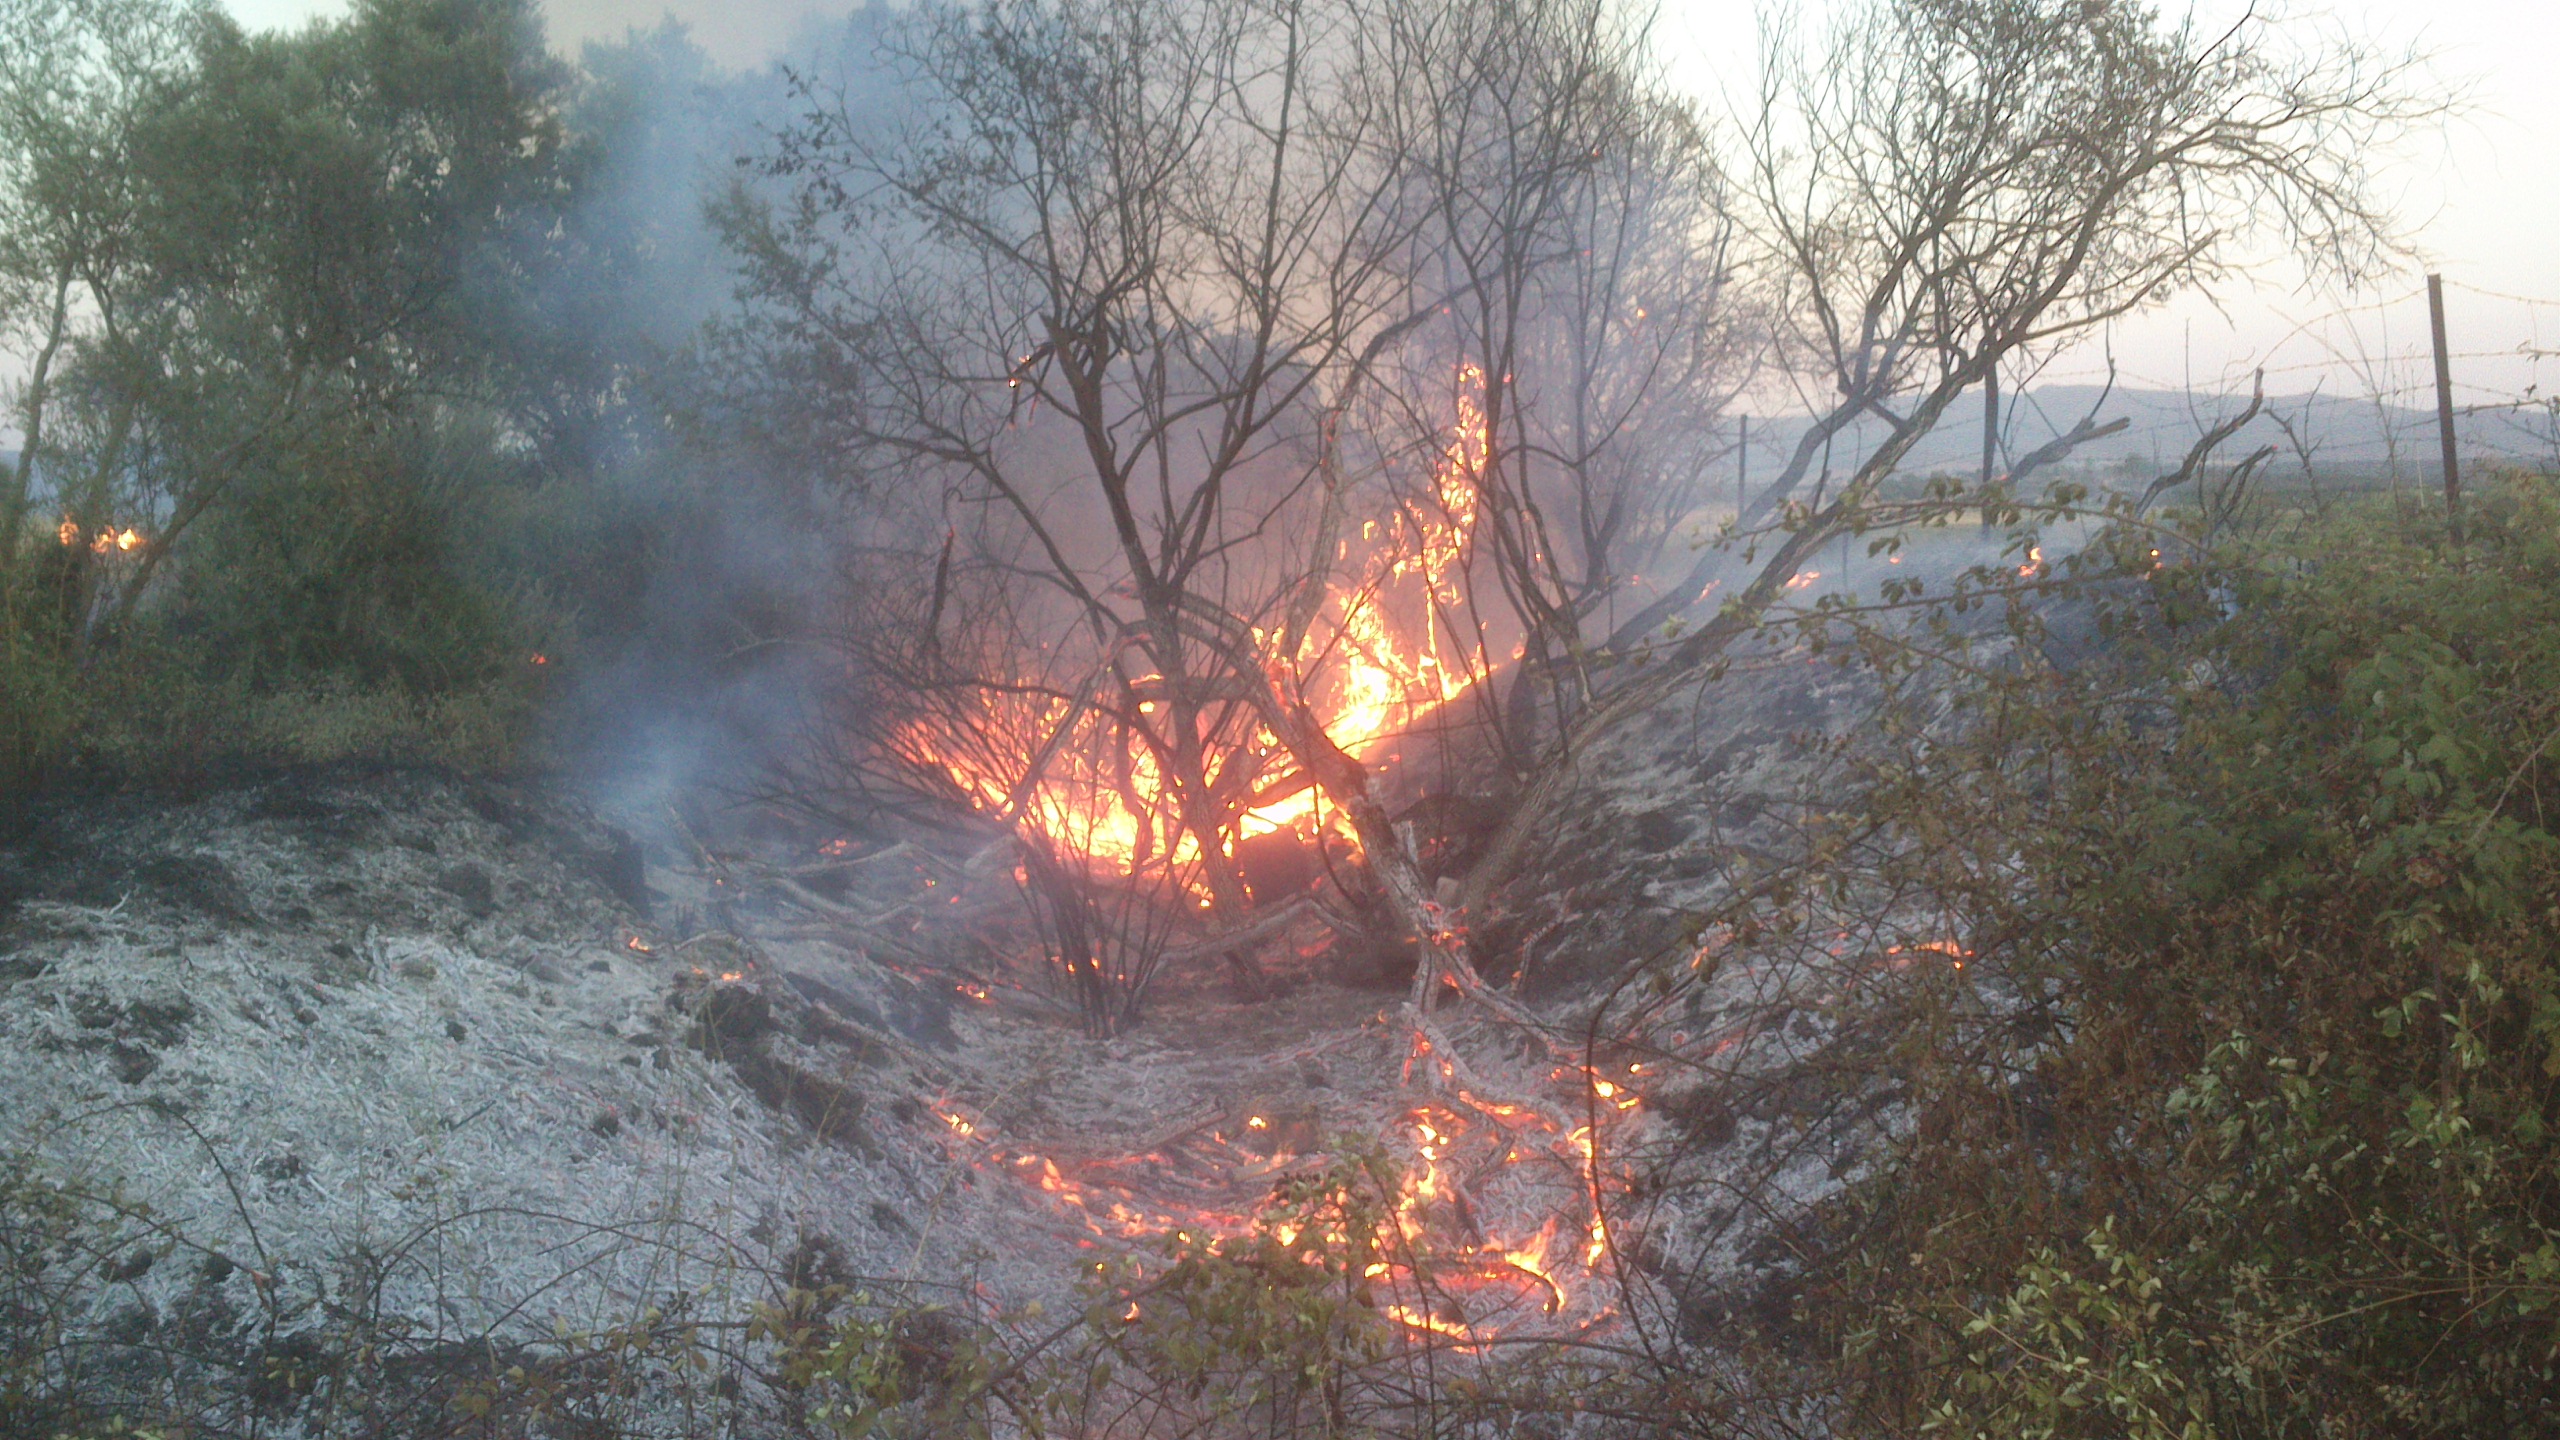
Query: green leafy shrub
(40, 701)
(2237, 1119)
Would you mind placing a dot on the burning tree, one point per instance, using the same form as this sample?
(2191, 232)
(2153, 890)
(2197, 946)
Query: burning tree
(1233, 389)
(1084, 307)
(1572, 240)
(1234, 385)
(1196, 339)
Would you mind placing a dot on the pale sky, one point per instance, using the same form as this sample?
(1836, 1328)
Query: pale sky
(2482, 200)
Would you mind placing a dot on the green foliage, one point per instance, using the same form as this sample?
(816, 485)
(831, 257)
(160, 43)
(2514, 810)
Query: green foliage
(2240, 1120)
(1283, 1322)
(40, 702)
(354, 566)
(2072, 1346)
(271, 281)
(875, 1368)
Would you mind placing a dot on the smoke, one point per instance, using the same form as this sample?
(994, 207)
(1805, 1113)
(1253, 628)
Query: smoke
(701, 538)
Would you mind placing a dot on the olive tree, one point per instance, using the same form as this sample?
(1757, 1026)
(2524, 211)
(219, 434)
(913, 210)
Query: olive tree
(78, 81)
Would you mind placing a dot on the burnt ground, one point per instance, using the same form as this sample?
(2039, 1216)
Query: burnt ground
(406, 1060)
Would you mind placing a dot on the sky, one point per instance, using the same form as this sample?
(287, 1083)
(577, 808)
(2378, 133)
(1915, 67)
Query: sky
(2481, 198)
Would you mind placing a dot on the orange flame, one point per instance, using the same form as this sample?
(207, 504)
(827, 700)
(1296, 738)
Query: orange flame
(1379, 659)
(1373, 665)
(1426, 1321)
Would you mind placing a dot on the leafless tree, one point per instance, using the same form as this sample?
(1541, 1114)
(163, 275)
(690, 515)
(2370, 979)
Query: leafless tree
(1125, 322)
(1573, 232)
(1083, 314)
(1937, 187)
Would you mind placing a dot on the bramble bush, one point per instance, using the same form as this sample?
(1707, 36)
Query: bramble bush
(2238, 1119)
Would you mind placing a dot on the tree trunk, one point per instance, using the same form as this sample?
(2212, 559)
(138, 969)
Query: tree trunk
(13, 507)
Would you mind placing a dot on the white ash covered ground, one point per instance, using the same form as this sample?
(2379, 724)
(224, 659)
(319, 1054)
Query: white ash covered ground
(403, 1060)
(372, 1059)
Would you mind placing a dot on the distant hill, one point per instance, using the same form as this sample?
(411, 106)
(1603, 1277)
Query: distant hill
(2347, 438)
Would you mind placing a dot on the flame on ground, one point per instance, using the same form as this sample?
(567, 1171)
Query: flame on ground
(1439, 1259)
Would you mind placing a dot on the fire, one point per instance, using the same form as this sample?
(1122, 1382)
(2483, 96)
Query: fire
(1382, 683)
(1597, 1248)
(1376, 661)
(1425, 1320)
(1531, 1259)
(1482, 1225)
(1493, 1269)
(107, 540)
(1954, 952)
(1445, 1272)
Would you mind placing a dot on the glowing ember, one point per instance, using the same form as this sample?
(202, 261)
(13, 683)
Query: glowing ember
(1616, 1095)
(1424, 1320)
(1949, 948)
(638, 946)
(1474, 1231)
(1446, 1276)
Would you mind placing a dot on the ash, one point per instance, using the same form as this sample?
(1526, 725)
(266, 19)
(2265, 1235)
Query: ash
(434, 1065)
(385, 1059)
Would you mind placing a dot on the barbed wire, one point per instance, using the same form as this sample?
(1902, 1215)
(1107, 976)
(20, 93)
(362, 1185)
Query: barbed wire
(2369, 369)
(2500, 294)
